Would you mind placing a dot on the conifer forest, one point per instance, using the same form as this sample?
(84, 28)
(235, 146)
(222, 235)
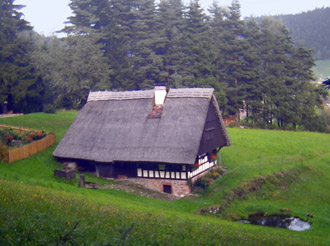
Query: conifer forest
(134, 44)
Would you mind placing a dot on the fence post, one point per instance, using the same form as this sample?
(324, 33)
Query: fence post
(82, 182)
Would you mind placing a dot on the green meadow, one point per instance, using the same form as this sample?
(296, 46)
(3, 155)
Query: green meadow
(268, 171)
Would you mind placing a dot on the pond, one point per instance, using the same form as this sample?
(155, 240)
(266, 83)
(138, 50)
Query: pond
(280, 221)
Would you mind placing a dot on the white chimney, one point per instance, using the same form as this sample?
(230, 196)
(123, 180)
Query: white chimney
(160, 94)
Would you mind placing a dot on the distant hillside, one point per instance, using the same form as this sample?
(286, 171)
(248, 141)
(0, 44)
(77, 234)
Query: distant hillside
(322, 69)
(312, 30)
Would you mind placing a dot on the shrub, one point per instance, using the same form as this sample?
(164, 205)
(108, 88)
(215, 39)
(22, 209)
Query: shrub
(200, 185)
(49, 109)
(234, 125)
(215, 175)
(3, 150)
(7, 135)
(30, 136)
(216, 172)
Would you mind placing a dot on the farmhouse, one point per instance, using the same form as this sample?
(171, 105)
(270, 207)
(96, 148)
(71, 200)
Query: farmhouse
(154, 138)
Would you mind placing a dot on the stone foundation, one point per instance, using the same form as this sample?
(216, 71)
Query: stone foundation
(179, 188)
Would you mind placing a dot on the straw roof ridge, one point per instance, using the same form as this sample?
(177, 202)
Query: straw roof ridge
(191, 92)
(142, 94)
(119, 95)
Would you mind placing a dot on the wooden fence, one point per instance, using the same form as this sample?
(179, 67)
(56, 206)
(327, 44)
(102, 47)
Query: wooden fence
(29, 149)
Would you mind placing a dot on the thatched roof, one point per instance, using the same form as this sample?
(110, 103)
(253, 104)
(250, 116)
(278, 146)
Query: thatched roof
(114, 126)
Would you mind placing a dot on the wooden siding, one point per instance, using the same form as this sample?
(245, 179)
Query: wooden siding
(105, 171)
(212, 136)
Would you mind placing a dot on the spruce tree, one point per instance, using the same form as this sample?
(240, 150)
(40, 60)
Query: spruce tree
(170, 43)
(20, 84)
(233, 64)
(145, 63)
(120, 43)
(217, 36)
(305, 97)
(196, 68)
(252, 80)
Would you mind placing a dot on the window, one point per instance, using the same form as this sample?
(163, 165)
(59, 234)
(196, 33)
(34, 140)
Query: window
(167, 189)
(209, 133)
(145, 173)
(161, 166)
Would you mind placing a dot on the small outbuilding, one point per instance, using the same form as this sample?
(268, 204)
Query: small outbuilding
(155, 138)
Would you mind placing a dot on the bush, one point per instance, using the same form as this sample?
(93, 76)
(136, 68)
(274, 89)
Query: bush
(3, 150)
(7, 135)
(31, 136)
(49, 109)
(234, 125)
(200, 185)
(216, 173)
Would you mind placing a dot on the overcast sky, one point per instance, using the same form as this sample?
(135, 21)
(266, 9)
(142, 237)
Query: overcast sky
(48, 16)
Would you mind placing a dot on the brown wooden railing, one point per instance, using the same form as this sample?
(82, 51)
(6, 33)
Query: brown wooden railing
(29, 149)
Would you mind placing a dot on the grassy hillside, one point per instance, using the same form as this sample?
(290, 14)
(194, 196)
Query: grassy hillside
(38, 209)
(322, 69)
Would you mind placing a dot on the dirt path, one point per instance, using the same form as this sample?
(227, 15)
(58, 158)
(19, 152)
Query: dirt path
(9, 115)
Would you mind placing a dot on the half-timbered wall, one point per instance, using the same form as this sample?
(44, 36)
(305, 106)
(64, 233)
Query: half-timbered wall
(161, 174)
(147, 170)
(204, 165)
(183, 174)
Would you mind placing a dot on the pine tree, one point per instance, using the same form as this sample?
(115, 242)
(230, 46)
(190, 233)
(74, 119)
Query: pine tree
(120, 43)
(110, 25)
(20, 84)
(170, 43)
(273, 58)
(217, 34)
(252, 81)
(196, 68)
(146, 64)
(233, 64)
(286, 75)
(305, 97)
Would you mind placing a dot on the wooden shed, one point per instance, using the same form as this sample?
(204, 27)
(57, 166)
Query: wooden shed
(155, 138)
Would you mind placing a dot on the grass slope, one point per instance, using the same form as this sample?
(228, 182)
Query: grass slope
(38, 209)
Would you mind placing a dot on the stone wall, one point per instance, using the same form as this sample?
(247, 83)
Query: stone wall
(179, 188)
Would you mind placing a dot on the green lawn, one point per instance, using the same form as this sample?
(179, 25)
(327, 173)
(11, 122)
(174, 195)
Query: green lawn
(38, 209)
